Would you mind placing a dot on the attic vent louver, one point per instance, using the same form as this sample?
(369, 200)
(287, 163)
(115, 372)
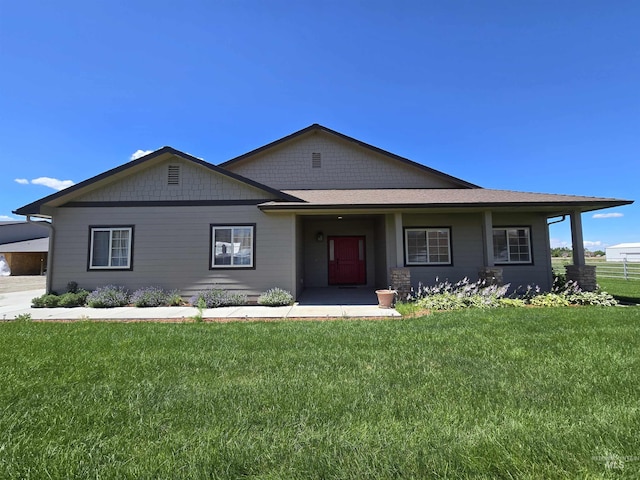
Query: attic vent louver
(173, 176)
(316, 160)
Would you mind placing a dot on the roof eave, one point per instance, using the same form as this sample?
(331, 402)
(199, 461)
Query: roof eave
(34, 208)
(551, 206)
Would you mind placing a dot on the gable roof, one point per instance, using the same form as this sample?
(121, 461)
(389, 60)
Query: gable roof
(78, 189)
(394, 198)
(319, 128)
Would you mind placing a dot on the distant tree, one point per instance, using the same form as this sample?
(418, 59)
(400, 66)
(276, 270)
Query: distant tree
(561, 252)
(599, 253)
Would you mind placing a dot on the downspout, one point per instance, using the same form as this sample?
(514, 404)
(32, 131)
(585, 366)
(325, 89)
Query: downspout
(557, 221)
(52, 230)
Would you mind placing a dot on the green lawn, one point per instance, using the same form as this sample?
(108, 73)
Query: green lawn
(505, 393)
(623, 290)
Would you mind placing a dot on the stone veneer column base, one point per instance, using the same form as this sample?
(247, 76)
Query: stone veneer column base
(491, 275)
(583, 275)
(401, 281)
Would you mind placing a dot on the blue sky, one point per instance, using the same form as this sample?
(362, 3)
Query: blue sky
(538, 96)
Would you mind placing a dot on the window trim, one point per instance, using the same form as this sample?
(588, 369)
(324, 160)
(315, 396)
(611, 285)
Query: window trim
(407, 263)
(110, 228)
(213, 227)
(514, 227)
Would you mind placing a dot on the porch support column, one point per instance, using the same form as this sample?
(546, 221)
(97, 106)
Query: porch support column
(491, 274)
(400, 276)
(399, 240)
(487, 230)
(577, 240)
(581, 273)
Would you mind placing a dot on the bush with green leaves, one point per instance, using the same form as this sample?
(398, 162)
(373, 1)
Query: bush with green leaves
(465, 294)
(48, 300)
(216, 297)
(275, 297)
(152, 297)
(454, 296)
(549, 300)
(108, 296)
(602, 299)
(73, 299)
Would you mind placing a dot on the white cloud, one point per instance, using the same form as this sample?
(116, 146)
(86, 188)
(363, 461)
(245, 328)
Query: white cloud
(6, 218)
(608, 215)
(590, 244)
(52, 183)
(139, 153)
(559, 243)
(47, 182)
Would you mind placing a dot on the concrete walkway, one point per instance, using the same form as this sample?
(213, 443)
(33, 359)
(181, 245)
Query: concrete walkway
(315, 303)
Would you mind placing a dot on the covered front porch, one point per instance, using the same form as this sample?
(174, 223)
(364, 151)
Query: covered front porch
(365, 250)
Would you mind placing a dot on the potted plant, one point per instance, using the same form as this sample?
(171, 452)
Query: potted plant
(386, 297)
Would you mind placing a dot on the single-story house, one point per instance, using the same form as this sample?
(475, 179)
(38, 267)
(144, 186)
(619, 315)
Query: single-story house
(624, 252)
(314, 209)
(24, 246)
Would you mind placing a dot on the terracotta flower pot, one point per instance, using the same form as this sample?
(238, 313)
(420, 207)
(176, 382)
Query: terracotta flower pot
(385, 298)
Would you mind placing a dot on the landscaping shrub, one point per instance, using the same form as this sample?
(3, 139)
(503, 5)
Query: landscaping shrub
(602, 299)
(150, 297)
(465, 294)
(549, 300)
(48, 300)
(275, 297)
(174, 298)
(73, 299)
(218, 298)
(108, 296)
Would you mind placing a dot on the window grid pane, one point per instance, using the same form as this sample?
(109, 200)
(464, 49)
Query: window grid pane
(511, 245)
(110, 248)
(427, 246)
(233, 246)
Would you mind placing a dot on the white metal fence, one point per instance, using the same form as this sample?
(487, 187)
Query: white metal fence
(621, 270)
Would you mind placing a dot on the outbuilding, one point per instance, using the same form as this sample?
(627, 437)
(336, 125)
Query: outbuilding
(624, 251)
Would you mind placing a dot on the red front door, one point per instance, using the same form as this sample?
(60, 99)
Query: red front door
(347, 261)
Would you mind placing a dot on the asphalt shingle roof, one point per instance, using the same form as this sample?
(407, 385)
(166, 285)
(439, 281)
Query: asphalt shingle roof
(445, 197)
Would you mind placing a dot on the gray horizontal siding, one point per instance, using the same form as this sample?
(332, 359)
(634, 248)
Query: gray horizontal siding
(467, 249)
(171, 249)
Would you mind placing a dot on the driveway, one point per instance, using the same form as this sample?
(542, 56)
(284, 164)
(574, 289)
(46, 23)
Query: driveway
(22, 283)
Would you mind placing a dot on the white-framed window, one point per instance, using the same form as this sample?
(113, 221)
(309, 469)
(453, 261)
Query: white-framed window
(511, 245)
(233, 246)
(110, 248)
(427, 246)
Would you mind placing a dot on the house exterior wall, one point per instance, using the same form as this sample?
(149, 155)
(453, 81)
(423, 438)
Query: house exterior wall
(343, 165)
(196, 183)
(171, 249)
(467, 248)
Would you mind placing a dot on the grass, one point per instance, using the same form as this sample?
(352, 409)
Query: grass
(508, 393)
(623, 290)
